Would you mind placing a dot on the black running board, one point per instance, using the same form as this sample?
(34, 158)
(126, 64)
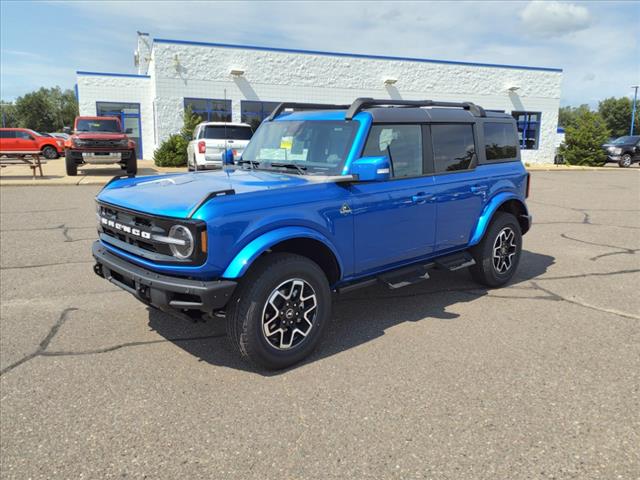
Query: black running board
(455, 261)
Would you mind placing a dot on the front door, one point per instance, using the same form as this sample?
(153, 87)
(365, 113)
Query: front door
(394, 221)
(25, 142)
(129, 114)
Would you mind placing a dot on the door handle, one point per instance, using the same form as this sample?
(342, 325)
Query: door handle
(479, 188)
(421, 197)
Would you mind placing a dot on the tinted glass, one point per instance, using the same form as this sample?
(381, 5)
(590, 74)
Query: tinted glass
(98, 125)
(7, 134)
(401, 143)
(318, 147)
(528, 129)
(210, 109)
(229, 133)
(254, 112)
(453, 147)
(24, 135)
(500, 141)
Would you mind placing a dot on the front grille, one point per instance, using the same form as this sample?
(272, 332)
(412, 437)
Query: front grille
(101, 143)
(136, 233)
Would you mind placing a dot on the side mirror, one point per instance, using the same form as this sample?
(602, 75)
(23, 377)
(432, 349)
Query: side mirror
(227, 157)
(128, 131)
(66, 130)
(371, 169)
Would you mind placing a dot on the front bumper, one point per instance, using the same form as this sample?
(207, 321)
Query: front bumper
(180, 297)
(98, 156)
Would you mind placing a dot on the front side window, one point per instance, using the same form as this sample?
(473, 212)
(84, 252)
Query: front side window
(24, 135)
(453, 147)
(210, 109)
(254, 112)
(230, 132)
(98, 125)
(311, 146)
(500, 141)
(401, 143)
(528, 129)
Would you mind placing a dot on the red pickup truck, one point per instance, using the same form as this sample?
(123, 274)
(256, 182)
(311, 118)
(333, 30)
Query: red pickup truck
(100, 140)
(22, 141)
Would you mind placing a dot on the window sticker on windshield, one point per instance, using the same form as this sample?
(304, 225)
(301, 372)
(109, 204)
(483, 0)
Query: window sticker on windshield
(281, 154)
(286, 142)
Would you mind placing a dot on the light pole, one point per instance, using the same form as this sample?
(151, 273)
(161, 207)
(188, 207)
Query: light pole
(633, 110)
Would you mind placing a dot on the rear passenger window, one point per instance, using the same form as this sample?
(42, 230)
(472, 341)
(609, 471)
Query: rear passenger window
(453, 147)
(401, 143)
(499, 141)
(7, 134)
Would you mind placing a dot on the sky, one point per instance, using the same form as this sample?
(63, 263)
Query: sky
(597, 44)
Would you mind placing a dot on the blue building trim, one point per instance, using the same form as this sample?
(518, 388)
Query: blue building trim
(353, 55)
(109, 74)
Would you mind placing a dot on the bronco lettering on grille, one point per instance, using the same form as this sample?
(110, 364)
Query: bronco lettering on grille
(125, 228)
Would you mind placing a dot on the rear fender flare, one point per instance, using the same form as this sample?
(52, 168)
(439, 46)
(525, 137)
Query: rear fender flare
(487, 214)
(243, 259)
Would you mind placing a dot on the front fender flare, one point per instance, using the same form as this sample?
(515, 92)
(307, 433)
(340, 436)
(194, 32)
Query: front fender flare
(487, 214)
(256, 247)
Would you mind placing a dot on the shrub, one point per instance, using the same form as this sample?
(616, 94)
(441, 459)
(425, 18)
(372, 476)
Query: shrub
(583, 140)
(172, 152)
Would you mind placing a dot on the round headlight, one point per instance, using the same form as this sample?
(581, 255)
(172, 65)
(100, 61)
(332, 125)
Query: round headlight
(183, 248)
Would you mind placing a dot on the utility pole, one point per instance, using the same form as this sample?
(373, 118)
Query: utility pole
(633, 110)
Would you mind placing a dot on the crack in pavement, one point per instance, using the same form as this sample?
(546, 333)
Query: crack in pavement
(41, 350)
(623, 250)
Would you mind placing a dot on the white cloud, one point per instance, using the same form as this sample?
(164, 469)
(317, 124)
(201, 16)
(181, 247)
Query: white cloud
(554, 19)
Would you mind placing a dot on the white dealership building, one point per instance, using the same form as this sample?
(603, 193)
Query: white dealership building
(244, 83)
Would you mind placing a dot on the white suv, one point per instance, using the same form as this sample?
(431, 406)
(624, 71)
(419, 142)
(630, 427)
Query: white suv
(212, 139)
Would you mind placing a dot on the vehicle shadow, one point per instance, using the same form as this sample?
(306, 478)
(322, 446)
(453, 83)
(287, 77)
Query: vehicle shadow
(358, 317)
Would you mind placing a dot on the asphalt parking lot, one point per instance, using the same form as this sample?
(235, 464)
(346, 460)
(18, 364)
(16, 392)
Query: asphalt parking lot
(442, 380)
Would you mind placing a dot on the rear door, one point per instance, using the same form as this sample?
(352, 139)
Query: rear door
(461, 188)
(394, 221)
(7, 140)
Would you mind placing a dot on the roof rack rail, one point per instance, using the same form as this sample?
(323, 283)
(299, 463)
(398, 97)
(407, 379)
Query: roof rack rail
(362, 103)
(303, 106)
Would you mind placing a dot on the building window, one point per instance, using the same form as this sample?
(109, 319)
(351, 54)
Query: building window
(254, 112)
(500, 142)
(453, 147)
(209, 109)
(528, 129)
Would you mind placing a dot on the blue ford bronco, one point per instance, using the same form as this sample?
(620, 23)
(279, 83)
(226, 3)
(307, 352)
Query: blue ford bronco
(325, 199)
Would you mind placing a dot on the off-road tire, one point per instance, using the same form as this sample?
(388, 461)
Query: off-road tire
(244, 315)
(132, 164)
(484, 271)
(50, 153)
(625, 161)
(72, 167)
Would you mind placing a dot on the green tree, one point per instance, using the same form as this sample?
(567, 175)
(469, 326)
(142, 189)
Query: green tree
(190, 122)
(567, 115)
(8, 114)
(583, 140)
(46, 109)
(173, 151)
(616, 113)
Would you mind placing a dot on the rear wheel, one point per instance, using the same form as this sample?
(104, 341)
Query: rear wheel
(72, 167)
(50, 153)
(132, 164)
(280, 312)
(625, 161)
(498, 254)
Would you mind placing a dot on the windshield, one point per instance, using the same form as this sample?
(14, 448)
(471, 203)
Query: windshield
(217, 132)
(38, 134)
(314, 146)
(627, 139)
(110, 126)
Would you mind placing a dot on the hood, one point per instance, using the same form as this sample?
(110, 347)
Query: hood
(99, 135)
(176, 195)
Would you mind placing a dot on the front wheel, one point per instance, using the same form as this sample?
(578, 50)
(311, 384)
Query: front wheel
(498, 254)
(280, 312)
(70, 163)
(625, 161)
(50, 153)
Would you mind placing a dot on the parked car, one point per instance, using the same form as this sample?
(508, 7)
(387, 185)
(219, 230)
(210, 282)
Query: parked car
(23, 141)
(101, 141)
(623, 150)
(213, 138)
(324, 199)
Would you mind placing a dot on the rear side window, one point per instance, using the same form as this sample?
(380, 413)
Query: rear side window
(500, 141)
(7, 134)
(453, 147)
(401, 143)
(215, 132)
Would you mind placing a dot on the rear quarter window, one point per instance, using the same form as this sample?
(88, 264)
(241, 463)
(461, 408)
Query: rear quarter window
(500, 141)
(453, 147)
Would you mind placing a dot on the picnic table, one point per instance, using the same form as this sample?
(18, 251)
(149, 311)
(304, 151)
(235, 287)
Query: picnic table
(32, 159)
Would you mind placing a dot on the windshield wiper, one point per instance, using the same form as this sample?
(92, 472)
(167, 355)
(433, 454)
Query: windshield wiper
(252, 163)
(300, 169)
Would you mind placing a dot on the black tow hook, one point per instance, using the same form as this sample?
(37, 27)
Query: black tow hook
(97, 268)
